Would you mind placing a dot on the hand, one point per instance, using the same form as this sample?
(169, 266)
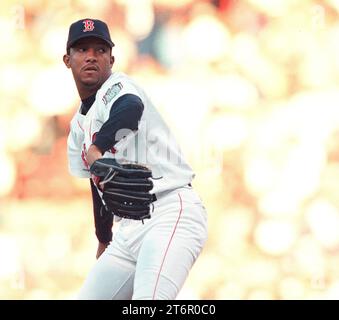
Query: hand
(101, 248)
(93, 154)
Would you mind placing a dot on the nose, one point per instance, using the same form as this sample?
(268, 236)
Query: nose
(91, 55)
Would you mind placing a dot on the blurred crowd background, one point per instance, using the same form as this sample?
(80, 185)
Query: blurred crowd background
(251, 91)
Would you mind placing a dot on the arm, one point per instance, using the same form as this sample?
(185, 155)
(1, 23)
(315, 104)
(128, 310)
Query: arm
(103, 221)
(125, 113)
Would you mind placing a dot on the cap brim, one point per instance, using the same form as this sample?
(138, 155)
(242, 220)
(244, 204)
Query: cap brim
(70, 44)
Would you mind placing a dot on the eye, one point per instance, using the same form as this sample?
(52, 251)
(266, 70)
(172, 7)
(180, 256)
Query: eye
(102, 50)
(81, 49)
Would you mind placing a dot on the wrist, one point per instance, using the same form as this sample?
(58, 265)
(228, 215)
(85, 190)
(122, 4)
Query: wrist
(93, 153)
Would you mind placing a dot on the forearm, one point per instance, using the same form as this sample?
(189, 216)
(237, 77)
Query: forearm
(103, 220)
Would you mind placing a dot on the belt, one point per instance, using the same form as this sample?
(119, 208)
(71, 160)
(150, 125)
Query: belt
(155, 198)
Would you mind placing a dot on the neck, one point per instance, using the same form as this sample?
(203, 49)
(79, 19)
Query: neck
(87, 91)
(84, 93)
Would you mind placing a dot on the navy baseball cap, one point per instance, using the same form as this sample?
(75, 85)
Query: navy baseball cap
(88, 28)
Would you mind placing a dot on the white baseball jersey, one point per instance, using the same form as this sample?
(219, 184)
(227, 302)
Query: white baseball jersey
(152, 145)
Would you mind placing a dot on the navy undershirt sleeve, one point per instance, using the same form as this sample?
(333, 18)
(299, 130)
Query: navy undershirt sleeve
(125, 113)
(103, 220)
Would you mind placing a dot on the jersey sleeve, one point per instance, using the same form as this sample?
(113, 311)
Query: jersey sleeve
(110, 94)
(76, 164)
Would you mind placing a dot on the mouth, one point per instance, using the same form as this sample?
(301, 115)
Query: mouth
(90, 68)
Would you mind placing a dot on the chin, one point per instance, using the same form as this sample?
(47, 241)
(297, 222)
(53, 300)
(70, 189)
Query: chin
(90, 82)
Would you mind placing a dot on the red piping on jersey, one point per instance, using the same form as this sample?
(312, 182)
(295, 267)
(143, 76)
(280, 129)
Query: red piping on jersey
(90, 129)
(169, 243)
(80, 125)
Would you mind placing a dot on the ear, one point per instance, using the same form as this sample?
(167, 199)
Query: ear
(112, 61)
(66, 59)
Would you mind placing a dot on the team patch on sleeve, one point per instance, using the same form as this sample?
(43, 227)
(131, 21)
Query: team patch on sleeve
(112, 92)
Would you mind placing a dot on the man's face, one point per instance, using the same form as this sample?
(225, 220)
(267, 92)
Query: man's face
(91, 62)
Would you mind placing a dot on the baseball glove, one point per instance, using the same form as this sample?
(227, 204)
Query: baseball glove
(125, 187)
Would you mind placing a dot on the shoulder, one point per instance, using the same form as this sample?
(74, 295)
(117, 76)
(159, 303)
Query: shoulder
(117, 85)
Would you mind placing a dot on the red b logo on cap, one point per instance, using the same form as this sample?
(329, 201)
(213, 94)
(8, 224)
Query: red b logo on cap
(88, 25)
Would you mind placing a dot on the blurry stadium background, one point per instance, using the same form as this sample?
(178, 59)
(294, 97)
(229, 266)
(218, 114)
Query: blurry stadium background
(251, 91)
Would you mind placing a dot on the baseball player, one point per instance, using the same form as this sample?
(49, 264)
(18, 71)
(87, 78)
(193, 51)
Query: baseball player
(162, 226)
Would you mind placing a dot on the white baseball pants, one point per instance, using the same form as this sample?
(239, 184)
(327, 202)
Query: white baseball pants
(151, 260)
